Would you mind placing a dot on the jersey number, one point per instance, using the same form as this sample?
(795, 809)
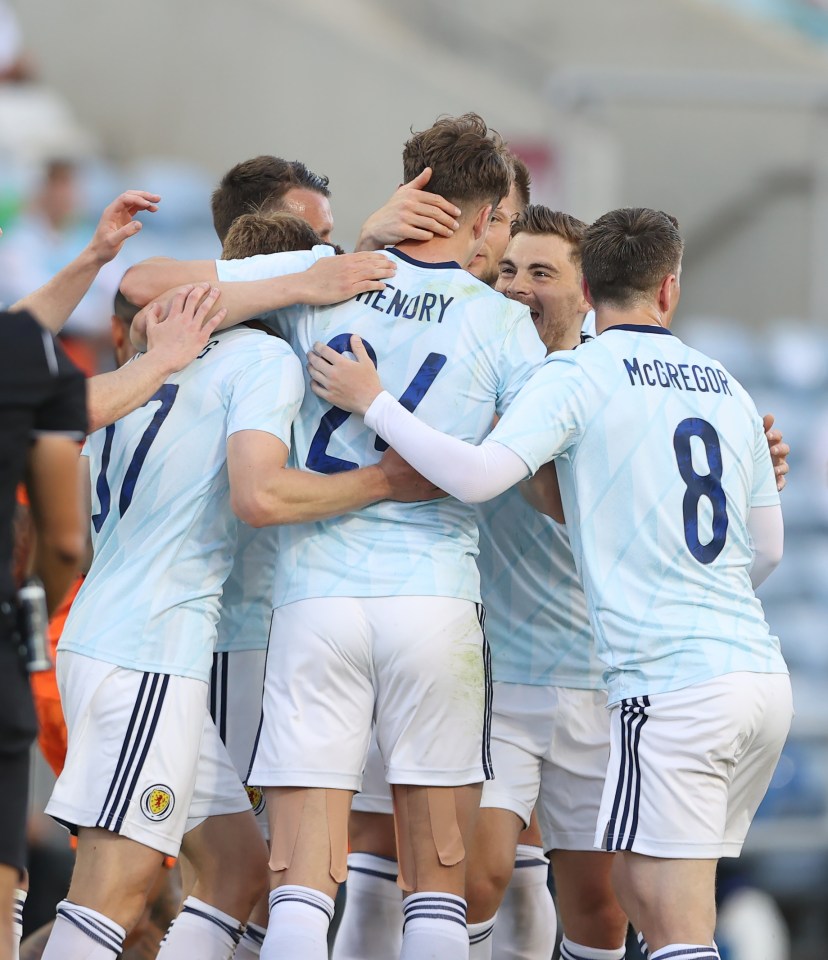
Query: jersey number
(701, 485)
(166, 397)
(318, 458)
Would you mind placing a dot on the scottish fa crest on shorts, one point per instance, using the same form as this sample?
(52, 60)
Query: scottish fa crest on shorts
(157, 802)
(256, 797)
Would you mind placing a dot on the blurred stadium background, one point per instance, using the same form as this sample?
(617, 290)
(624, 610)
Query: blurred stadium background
(714, 110)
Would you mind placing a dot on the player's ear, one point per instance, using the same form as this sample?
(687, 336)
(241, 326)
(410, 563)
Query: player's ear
(668, 293)
(586, 293)
(481, 221)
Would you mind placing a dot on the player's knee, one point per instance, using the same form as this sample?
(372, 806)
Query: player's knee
(486, 886)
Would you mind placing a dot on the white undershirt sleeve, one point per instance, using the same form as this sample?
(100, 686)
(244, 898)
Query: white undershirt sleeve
(465, 471)
(767, 533)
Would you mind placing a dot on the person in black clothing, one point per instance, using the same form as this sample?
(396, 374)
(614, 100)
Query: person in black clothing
(42, 417)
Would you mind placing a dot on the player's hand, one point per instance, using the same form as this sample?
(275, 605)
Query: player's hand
(405, 484)
(334, 279)
(411, 214)
(779, 450)
(117, 225)
(178, 332)
(352, 385)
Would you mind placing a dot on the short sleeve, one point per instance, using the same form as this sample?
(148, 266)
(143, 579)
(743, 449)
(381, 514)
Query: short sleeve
(522, 354)
(63, 409)
(764, 492)
(266, 266)
(267, 394)
(547, 415)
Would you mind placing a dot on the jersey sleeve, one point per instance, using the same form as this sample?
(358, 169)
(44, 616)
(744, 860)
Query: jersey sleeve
(547, 415)
(266, 266)
(267, 393)
(64, 407)
(764, 492)
(522, 354)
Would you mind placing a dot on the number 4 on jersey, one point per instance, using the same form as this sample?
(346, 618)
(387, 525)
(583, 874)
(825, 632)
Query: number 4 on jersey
(318, 458)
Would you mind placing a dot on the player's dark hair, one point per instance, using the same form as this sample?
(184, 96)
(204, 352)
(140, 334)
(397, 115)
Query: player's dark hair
(540, 221)
(627, 253)
(470, 163)
(259, 184)
(255, 233)
(522, 180)
(123, 309)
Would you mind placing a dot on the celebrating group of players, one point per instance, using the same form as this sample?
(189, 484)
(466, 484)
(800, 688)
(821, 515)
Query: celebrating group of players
(345, 636)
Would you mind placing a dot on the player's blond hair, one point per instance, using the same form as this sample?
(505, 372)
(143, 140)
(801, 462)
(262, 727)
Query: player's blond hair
(543, 221)
(255, 233)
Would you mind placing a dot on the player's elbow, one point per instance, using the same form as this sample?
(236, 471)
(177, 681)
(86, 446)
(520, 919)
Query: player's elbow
(258, 509)
(65, 547)
(137, 287)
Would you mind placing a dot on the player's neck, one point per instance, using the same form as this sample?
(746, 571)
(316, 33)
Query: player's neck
(439, 250)
(646, 315)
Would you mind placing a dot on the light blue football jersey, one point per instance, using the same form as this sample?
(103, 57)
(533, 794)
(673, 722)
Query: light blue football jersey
(244, 623)
(451, 349)
(536, 613)
(661, 455)
(162, 528)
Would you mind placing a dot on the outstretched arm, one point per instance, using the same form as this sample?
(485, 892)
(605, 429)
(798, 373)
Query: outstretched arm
(328, 280)
(411, 213)
(54, 302)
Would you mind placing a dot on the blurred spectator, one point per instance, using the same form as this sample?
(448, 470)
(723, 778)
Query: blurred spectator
(14, 64)
(44, 239)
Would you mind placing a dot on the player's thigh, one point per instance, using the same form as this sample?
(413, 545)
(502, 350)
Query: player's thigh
(433, 690)
(673, 758)
(522, 717)
(318, 697)
(574, 769)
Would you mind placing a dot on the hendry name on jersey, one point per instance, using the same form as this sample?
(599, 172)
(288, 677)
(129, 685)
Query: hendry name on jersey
(681, 376)
(403, 305)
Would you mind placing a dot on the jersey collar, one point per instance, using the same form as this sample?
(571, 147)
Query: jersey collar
(446, 265)
(640, 328)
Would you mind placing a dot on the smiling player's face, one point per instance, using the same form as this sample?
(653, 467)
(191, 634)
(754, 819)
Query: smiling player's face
(538, 270)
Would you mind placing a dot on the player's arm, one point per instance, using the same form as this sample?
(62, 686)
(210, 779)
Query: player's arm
(767, 533)
(173, 341)
(326, 281)
(55, 301)
(543, 492)
(264, 491)
(52, 481)
(465, 471)
(411, 213)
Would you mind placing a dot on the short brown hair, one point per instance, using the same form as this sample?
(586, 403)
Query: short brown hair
(538, 221)
(255, 233)
(522, 180)
(259, 183)
(470, 163)
(123, 309)
(627, 253)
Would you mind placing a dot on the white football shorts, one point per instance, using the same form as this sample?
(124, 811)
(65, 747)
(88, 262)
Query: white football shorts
(689, 768)
(144, 758)
(416, 666)
(235, 703)
(550, 747)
